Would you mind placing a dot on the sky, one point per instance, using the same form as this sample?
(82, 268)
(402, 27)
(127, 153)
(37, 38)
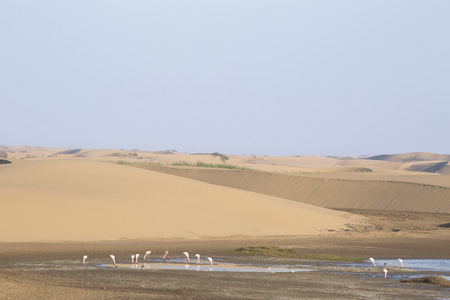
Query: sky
(237, 77)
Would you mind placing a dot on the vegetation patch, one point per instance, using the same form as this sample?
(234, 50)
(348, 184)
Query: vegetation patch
(275, 251)
(209, 165)
(433, 280)
(124, 162)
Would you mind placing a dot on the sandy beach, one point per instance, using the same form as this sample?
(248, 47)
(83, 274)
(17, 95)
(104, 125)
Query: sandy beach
(59, 204)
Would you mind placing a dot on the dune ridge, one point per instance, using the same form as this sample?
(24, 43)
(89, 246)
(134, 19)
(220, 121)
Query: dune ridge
(326, 192)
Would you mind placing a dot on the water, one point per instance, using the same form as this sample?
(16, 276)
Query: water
(440, 267)
(412, 267)
(217, 267)
(435, 265)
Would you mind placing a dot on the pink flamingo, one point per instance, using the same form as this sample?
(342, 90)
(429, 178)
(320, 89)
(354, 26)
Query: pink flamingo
(113, 259)
(84, 259)
(385, 273)
(186, 256)
(372, 261)
(165, 255)
(147, 255)
(210, 261)
(400, 262)
(132, 259)
(137, 257)
(198, 258)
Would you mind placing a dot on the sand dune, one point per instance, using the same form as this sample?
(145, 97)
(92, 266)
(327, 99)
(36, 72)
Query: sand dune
(383, 164)
(440, 167)
(327, 192)
(412, 156)
(83, 200)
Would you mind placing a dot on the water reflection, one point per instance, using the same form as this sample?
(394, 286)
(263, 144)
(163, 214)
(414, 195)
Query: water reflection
(220, 267)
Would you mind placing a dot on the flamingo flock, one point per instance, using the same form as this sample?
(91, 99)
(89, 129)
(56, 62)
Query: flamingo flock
(135, 258)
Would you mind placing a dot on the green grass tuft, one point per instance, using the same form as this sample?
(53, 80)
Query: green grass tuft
(209, 165)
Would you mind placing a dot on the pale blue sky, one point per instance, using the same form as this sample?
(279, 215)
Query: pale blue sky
(238, 77)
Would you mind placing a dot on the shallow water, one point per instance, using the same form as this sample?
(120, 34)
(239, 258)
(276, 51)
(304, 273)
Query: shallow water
(217, 267)
(438, 265)
(412, 267)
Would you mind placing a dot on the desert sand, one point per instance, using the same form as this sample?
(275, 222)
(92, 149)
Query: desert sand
(60, 204)
(68, 200)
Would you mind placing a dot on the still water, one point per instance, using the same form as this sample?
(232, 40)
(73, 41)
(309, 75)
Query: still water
(440, 266)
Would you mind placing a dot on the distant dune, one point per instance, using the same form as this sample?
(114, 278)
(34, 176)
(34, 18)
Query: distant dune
(326, 192)
(71, 151)
(83, 200)
(413, 156)
(431, 167)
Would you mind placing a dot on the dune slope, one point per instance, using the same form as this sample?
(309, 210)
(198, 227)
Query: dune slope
(82, 200)
(326, 192)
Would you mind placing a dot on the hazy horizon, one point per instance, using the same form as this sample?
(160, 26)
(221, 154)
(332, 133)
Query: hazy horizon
(280, 78)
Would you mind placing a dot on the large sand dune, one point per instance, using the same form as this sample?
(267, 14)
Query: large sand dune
(85, 200)
(327, 192)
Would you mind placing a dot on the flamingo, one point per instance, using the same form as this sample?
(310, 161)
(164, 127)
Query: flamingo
(137, 256)
(210, 261)
(198, 258)
(372, 261)
(400, 262)
(186, 256)
(165, 255)
(84, 259)
(132, 259)
(113, 259)
(147, 255)
(385, 272)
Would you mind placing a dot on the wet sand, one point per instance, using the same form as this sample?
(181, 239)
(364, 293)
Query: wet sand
(55, 270)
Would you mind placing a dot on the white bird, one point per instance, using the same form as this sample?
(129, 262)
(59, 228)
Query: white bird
(210, 261)
(372, 261)
(385, 273)
(198, 258)
(147, 255)
(186, 256)
(132, 259)
(165, 255)
(113, 258)
(84, 259)
(400, 262)
(137, 257)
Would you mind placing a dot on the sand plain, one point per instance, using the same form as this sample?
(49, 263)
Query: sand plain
(59, 204)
